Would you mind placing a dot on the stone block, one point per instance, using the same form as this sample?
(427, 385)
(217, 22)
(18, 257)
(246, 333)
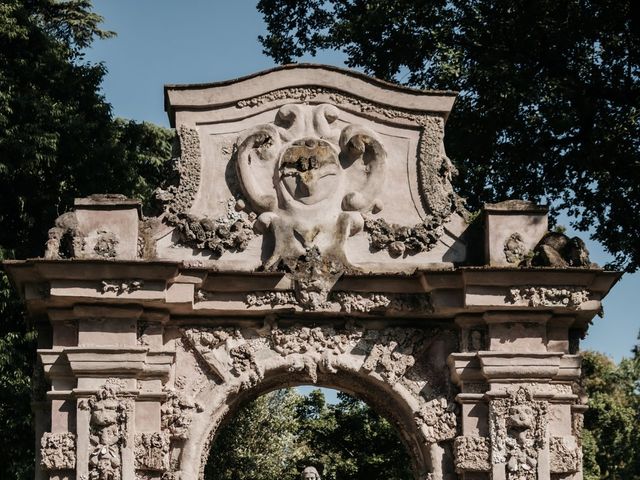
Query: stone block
(512, 230)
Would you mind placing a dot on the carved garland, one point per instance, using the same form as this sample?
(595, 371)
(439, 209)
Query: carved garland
(538, 296)
(347, 301)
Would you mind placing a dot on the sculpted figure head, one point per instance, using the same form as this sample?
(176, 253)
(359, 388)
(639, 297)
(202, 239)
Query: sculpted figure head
(310, 473)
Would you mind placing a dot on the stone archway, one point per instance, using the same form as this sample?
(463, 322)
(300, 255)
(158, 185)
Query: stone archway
(311, 233)
(400, 371)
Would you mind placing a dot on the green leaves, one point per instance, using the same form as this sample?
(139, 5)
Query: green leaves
(611, 438)
(280, 433)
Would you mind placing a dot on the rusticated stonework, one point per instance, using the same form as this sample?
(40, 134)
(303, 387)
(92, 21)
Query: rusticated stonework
(472, 454)
(566, 455)
(58, 451)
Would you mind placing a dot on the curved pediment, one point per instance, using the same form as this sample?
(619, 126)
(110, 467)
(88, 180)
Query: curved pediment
(296, 82)
(378, 198)
(308, 171)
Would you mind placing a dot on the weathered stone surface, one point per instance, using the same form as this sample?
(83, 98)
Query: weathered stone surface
(108, 431)
(152, 451)
(472, 454)
(518, 430)
(566, 455)
(515, 249)
(121, 286)
(177, 414)
(538, 296)
(58, 451)
(558, 250)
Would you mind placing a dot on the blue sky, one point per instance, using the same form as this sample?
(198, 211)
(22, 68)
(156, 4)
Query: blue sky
(196, 41)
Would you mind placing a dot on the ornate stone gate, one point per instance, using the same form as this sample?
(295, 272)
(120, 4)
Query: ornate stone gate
(309, 234)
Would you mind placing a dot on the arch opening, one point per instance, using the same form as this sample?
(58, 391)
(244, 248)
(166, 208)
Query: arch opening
(399, 372)
(280, 433)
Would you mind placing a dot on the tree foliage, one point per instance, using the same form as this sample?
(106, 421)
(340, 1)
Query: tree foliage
(611, 435)
(58, 141)
(549, 92)
(278, 434)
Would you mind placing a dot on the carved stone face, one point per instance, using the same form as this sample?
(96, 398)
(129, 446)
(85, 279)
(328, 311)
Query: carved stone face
(309, 170)
(521, 417)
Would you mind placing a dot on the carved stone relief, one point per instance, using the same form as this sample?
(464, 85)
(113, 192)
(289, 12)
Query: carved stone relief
(347, 302)
(310, 182)
(65, 239)
(177, 414)
(537, 296)
(518, 429)
(181, 189)
(565, 454)
(58, 451)
(389, 354)
(231, 232)
(272, 299)
(437, 419)
(514, 249)
(152, 451)
(121, 286)
(109, 411)
(435, 169)
(106, 244)
(401, 240)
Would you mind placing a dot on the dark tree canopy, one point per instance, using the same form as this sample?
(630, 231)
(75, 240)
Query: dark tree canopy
(549, 92)
(58, 141)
